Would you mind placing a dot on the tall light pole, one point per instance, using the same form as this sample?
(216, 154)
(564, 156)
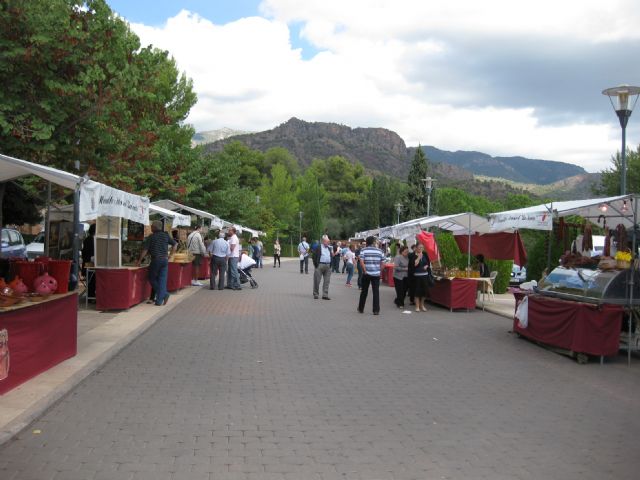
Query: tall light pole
(428, 186)
(300, 213)
(623, 94)
(398, 209)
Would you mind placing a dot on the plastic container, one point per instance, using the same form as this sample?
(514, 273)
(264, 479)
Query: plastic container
(28, 272)
(60, 270)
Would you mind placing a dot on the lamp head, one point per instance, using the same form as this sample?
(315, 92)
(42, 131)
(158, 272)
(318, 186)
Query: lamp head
(623, 94)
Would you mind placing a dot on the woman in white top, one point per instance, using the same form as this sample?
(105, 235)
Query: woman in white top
(350, 258)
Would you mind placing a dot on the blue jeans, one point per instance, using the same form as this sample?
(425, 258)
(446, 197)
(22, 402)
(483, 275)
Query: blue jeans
(234, 279)
(349, 273)
(158, 269)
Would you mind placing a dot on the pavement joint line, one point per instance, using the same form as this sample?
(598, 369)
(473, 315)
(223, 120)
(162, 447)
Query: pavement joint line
(40, 393)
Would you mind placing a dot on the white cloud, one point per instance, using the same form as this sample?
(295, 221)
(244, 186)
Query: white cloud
(410, 66)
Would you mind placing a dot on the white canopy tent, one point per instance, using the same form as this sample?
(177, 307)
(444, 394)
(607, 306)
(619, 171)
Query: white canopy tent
(175, 206)
(620, 209)
(177, 219)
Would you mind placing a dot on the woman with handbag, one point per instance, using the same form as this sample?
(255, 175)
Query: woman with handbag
(421, 272)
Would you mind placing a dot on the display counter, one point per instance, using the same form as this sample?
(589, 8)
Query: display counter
(179, 276)
(387, 274)
(574, 326)
(40, 335)
(121, 288)
(205, 269)
(454, 293)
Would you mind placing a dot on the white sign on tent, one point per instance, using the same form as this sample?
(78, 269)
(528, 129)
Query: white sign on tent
(516, 220)
(97, 199)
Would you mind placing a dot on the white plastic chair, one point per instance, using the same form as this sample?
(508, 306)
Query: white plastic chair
(489, 285)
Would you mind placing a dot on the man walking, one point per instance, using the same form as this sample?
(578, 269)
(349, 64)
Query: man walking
(322, 257)
(219, 251)
(195, 246)
(157, 246)
(234, 255)
(371, 259)
(303, 251)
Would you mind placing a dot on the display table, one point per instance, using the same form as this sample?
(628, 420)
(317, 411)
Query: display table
(454, 293)
(121, 288)
(205, 269)
(574, 326)
(387, 274)
(41, 335)
(179, 276)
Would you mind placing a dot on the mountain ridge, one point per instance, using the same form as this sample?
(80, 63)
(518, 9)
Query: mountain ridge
(382, 150)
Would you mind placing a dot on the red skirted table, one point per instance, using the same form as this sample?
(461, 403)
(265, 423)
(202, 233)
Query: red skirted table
(454, 293)
(387, 274)
(179, 276)
(41, 335)
(205, 269)
(121, 288)
(574, 326)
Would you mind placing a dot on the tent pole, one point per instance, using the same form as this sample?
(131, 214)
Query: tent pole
(469, 244)
(632, 275)
(550, 240)
(47, 222)
(76, 235)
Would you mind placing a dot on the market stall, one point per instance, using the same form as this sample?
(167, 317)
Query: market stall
(37, 336)
(580, 309)
(41, 334)
(454, 293)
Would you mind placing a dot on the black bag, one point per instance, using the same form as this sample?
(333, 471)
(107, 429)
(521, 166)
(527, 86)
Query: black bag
(430, 280)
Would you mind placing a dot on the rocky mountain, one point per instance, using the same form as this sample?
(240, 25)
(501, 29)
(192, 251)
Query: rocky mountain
(518, 169)
(376, 148)
(381, 150)
(210, 136)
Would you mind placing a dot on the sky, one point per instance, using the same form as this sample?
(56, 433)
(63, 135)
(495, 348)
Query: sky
(498, 76)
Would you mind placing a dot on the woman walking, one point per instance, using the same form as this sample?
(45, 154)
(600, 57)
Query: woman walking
(276, 253)
(400, 275)
(421, 266)
(349, 261)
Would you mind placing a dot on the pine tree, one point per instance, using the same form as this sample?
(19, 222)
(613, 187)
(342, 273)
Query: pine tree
(416, 203)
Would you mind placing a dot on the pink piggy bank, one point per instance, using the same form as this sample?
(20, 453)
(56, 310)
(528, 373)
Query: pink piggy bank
(45, 284)
(18, 286)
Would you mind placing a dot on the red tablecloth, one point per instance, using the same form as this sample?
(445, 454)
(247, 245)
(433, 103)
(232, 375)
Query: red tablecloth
(121, 288)
(179, 276)
(205, 269)
(387, 274)
(454, 293)
(579, 327)
(40, 336)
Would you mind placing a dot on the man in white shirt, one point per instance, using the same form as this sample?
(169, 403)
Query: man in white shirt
(195, 246)
(219, 251)
(234, 254)
(322, 256)
(303, 251)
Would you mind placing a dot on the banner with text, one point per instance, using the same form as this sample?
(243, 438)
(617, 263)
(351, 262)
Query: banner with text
(518, 220)
(97, 200)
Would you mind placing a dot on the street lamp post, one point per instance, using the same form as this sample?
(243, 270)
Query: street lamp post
(428, 186)
(623, 94)
(398, 209)
(300, 213)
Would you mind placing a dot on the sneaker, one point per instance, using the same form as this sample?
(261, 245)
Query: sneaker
(196, 283)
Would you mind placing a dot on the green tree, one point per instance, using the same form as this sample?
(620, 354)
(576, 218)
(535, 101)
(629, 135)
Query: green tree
(453, 200)
(416, 200)
(610, 178)
(313, 203)
(282, 156)
(77, 86)
(278, 194)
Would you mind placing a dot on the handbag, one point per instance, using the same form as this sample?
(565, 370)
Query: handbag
(430, 280)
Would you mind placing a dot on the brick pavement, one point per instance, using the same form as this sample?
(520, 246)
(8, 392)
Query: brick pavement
(271, 384)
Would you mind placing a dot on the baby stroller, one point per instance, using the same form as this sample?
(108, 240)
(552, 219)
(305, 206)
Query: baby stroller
(245, 265)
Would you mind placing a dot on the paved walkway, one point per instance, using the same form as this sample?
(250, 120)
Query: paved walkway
(271, 384)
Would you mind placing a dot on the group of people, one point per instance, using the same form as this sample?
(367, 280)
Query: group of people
(411, 271)
(225, 255)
